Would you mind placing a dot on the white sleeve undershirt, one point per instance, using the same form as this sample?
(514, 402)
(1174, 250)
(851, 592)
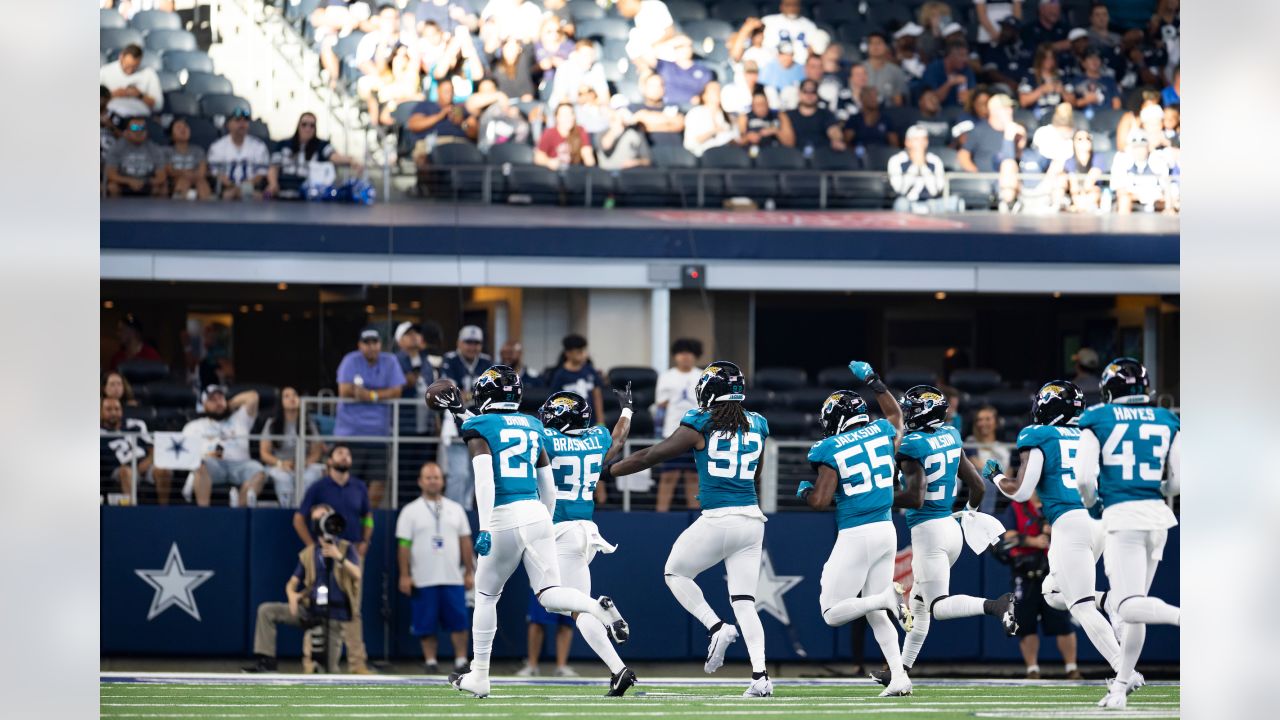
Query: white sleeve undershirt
(547, 488)
(1087, 467)
(1030, 476)
(482, 465)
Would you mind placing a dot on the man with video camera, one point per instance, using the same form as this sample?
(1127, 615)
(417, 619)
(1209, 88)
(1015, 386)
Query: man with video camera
(323, 593)
(348, 497)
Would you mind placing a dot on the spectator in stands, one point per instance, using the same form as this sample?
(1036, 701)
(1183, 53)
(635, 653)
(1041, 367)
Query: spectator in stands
(397, 81)
(279, 454)
(346, 494)
(1044, 89)
(135, 90)
(500, 121)
(131, 344)
(127, 442)
(593, 112)
(1048, 29)
(623, 145)
(466, 363)
(950, 75)
(789, 26)
(512, 68)
(663, 124)
(582, 68)
(986, 446)
(380, 42)
(1140, 176)
(564, 143)
(673, 397)
(437, 567)
(747, 44)
(239, 160)
(828, 88)
(1170, 97)
(1071, 62)
(503, 20)
(1078, 188)
(736, 98)
(106, 123)
(994, 145)
(511, 354)
(811, 127)
(918, 178)
(135, 165)
(652, 27)
(763, 126)
(931, 119)
(341, 601)
(783, 71)
(905, 48)
(1132, 117)
(682, 76)
(459, 62)
(1164, 29)
(574, 371)
(1007, 59)
(1137, 63)
(185, 165)
(1051, 144)
(437, 123)
(991, 14)
(447, 14)
(303, 159)
(1151, 120)
(224, 427)
(1086, 363)
(707, 125)
(462, 366)
(429, 48)
(1100, 33)
(933, 16)
(366, 377)
(869, 127)
(1094, 90)
(882, 72)
(1172, 125)
(411, 353)
(117, 387)
(331, 22)
(551, 50)
(849, 98)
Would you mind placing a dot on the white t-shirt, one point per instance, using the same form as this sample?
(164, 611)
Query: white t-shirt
(145, 79)
(676, 389)
(232, 433)
(434, 529)
(651, 23)
(996, 11)
(799, 31)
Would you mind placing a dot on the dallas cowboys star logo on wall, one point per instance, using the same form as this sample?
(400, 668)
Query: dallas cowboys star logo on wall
(174, 585)
(771, 587)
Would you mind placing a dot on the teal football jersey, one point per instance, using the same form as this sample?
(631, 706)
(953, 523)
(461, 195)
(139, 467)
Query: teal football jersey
(863, 460)
(727, 464)
(1135, 441)
(938, 452)
(1057, 486)
(576, 461)
(515, 443)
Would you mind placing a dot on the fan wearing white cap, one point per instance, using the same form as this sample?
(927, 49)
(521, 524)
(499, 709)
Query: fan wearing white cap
(906, 46)
(463, 366)
(918, 178)
(411, 353)
(1140, 176)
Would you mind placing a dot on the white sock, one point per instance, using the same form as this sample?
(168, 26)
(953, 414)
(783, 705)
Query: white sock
(1149, 611)
(484, 625)
(1070, 667)
(594, 633)
(887, 638)
(1033, 668)
(752, 632)
(689, 595)
(564, 599)
(252, 498)
(1135, 634)
(1099, 632)
(957, 606)
(919, 631)
(431, 661)
(459, 663)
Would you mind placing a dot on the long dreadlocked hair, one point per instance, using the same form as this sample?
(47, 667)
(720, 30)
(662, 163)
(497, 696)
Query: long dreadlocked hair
(729, 418)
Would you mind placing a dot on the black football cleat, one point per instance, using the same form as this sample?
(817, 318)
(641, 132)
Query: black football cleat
(881, 676)
(262, 664)
(621, 682)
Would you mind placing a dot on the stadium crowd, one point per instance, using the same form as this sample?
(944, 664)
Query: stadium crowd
(1047, 98)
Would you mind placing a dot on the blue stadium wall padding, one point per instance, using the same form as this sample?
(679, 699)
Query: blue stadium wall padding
(251, 554)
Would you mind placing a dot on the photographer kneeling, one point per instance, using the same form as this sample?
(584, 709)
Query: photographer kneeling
(323, 595)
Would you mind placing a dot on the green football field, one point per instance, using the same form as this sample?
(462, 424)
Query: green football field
(231, 696)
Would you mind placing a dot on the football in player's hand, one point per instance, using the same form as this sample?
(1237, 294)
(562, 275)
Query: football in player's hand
(444, 395)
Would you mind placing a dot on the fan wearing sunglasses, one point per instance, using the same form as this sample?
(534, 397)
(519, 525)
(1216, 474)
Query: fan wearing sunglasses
(134, 164)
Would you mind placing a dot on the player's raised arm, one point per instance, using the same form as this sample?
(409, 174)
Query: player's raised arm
(912, 494)
(678, 443)
(482, 468)
(1023, 486)
(823, 489)
(972, 480)
(888, 403)
(622, 429)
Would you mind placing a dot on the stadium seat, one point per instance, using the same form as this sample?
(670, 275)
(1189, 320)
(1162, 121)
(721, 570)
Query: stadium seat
(581, 10)
(221, 105)
(540, 184)
(761, 400)
(642, 424)
(118, 38)
(975, 380)
(1009, 402)
(638, 376)
(726, 157)
(575, 184)
(791, 424)
(735, 11)
(861, 191)
(889, 16)
(169, 81)
(166, 394)
(259, 129)
(200, 84)
(643, 187)
(978, 194)
(906, 377)
(834, 160)
(835, 378)
(1105, 121)
(402, 112)
(948, 156)
(156, 132)
(837, 13)
(511, 152)
(139, 372)
(901, 118)
(144, 413)
(446, 179)
(178, 60)
(808, 399)
(780, 378)
(854, 32)
(172, 419)
(607, 28)
(203, 131)
(109, 19)
(181, 103)
(673, 156)
(780, 157)
(718, 31)
(877, 157)
(682, 10)
(149, 20)
(166, 40)
(458, 153)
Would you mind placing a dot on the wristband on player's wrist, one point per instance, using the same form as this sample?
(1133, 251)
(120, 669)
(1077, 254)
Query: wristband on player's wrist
(877, 385)
(627, 413)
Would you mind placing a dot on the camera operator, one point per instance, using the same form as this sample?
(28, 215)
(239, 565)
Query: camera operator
(349, 498)
(1025, 548)
(323, 593)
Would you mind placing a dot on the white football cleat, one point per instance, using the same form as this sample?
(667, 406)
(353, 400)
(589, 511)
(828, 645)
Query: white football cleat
(1117, 697)
(898, 688)
(759, 688)
(720, 642)
(475, 683)
(1135, 681)
(900, 606)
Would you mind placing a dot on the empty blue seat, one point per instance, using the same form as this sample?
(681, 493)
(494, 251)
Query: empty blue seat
(164, 40)
(604, 28)
(118, 38)
(108, 18)
(169, 81)
(203, 83)
(149, 20)
(179, 60)
(181, 103)
(682, 10)
(222, 105)
(514, 153)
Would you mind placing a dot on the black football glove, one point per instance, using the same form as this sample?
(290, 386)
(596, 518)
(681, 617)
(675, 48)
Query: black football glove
(450, 400)
(624, 397)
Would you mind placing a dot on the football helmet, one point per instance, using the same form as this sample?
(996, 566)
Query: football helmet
(1057, 402)
(1125, 378)
(721, 381)
(566, 411)
(842, 410)
(923, 406)
(497, 388)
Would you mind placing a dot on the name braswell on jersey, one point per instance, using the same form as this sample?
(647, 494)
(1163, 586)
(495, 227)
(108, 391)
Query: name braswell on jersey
(576, 461)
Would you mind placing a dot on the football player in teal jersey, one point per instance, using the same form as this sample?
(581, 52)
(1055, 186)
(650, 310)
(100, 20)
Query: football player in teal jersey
(1129, 460)
(856, 458)
(727, 442)
(933, 464)
(515, 498)
(1048, 450)
(578, 451)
